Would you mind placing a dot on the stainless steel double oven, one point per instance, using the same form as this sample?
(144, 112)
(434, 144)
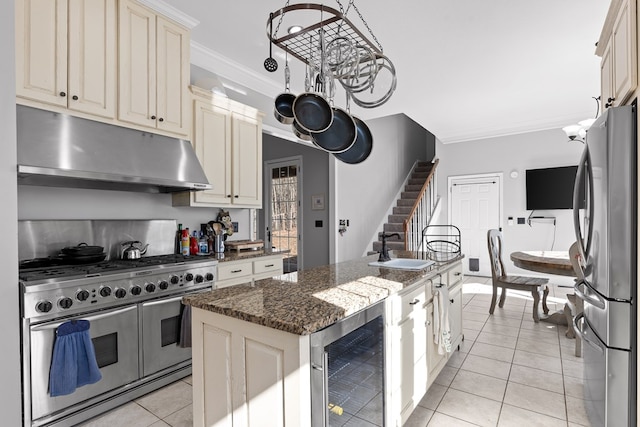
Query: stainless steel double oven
(135, 313)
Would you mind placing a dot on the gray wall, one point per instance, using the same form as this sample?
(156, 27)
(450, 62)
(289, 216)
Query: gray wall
(504, 154)
(365, 191)
(10, 406)
(315, 180)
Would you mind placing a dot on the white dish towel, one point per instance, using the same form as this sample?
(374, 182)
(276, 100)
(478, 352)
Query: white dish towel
(441, 326)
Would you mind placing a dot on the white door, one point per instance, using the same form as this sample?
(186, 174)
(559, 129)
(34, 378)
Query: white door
(474, 207)
(283, 219)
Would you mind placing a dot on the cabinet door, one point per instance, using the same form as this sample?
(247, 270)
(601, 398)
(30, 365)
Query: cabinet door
(606, 75)
(247, 161)
(137, 65)
(172, 73)
(455, 314)
(41, 50)
(212, 143)
(624, 52)
(92, 57)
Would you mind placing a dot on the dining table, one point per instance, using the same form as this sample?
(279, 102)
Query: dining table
(549, 262)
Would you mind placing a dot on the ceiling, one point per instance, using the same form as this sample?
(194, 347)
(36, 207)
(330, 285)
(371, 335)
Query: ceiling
(466, 69)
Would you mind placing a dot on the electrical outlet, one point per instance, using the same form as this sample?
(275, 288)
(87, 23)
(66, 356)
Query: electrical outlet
(521, 220)
(319, 223)
(235, 226)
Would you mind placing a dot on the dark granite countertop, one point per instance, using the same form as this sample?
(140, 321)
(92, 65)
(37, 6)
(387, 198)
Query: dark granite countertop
(309, 300)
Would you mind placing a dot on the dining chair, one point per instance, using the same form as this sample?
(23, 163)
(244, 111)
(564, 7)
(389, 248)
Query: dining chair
(575, 304)
(537, 286)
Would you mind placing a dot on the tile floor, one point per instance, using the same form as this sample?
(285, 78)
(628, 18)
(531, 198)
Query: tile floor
(509, 372)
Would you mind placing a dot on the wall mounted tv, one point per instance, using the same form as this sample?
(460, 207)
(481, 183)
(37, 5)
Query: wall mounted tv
(552, 188)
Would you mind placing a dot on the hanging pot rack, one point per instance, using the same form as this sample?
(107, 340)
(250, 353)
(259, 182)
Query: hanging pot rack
(334, 25)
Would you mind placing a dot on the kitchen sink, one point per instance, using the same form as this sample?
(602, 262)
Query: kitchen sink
(404, 263)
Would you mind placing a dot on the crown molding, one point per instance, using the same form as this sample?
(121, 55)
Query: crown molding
(226, 68)
(171, 12)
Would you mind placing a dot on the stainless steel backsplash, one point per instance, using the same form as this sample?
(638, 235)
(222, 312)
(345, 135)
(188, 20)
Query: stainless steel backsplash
(37, 239)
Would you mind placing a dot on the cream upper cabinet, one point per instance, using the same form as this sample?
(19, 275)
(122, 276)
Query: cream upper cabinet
(227, 138)
(66, 54)
(153, 70)
(617, 48)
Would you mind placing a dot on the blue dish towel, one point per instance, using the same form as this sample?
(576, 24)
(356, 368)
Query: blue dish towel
(74, 359)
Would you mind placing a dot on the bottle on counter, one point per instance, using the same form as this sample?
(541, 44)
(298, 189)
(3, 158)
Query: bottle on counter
(193, 243)
(185, 242)
(203, 246)
(178, 243)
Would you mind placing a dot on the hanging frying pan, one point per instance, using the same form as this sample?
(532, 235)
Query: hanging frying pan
(312, 112)
(340, 136)
(361, 149)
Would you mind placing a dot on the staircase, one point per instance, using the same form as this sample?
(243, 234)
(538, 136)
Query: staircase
(413, 209)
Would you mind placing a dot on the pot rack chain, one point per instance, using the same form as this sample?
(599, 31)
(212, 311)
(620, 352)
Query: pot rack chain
(344, 14)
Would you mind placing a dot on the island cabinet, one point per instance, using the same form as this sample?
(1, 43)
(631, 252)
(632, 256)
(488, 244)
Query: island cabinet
(248, 270)
(66, 54)
(227, 138)
(153, 70)
(617, 47)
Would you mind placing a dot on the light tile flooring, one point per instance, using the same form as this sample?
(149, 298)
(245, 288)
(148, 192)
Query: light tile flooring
(509, 372)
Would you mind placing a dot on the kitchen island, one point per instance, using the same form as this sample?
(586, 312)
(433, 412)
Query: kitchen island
(251, 342)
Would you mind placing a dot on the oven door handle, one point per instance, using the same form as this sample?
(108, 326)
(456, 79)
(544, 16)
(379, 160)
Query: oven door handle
(55, 325)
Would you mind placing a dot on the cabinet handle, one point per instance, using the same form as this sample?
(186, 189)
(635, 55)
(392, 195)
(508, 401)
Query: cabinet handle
(427, 323)
(161, 119)
(229, 195)
(236, 271)
(269, 265)
(458, 273)
(63, 94)
(153, 117)
(414, 302)
(607, 105)
(451, 301)
(74, 97)
(611, 99)
(236, 196)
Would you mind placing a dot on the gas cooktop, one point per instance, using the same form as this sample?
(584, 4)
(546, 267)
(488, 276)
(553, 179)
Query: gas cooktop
(54, 270)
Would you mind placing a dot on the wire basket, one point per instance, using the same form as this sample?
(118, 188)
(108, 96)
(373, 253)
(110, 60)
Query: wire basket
(441, 243)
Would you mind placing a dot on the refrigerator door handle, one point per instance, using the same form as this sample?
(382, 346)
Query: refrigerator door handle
(584, 247)
(593, 298)
(578, 330)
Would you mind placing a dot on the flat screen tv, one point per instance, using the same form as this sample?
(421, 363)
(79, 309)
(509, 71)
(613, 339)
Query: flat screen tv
(552, 188)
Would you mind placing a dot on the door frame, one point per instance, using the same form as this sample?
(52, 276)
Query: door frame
(268, 165)
(478, 177)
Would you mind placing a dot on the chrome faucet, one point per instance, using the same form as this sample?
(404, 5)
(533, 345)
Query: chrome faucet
(384, 253)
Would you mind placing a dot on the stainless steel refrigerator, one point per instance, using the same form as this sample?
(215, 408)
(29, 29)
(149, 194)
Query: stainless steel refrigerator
(606, 230)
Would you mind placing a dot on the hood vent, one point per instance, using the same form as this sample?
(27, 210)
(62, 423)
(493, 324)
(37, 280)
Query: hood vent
(64, 151)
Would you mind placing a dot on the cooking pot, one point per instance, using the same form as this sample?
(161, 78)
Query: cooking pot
(131, 251)
(82, 249)
(299, 132)
(361, 149)
(283, 110)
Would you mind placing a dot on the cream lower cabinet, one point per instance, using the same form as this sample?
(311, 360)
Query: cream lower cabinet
(66, 54)
(227, 138)
(617, 47)
(247, 271)
(246, 374)
(407, 364)
(154, 70)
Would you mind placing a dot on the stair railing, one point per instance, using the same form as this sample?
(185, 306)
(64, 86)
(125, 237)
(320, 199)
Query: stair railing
(420, 215)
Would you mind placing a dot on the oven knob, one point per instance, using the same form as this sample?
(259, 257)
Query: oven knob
(82, 295)
(65, 302)
(199, 279)
(136, 290)
(174, 280)
(120, 293)
(188, 277)
(163, 285)
(105, 291)
(44, 307)
(150, 287)
(209, 277)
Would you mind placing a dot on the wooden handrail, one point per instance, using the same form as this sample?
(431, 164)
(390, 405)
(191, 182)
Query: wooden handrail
(418, 202)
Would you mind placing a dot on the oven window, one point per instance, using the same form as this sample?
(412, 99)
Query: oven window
(106, 348)
(170, 330)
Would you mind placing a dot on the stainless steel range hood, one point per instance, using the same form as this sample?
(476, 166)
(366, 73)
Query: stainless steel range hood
(64, 151)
